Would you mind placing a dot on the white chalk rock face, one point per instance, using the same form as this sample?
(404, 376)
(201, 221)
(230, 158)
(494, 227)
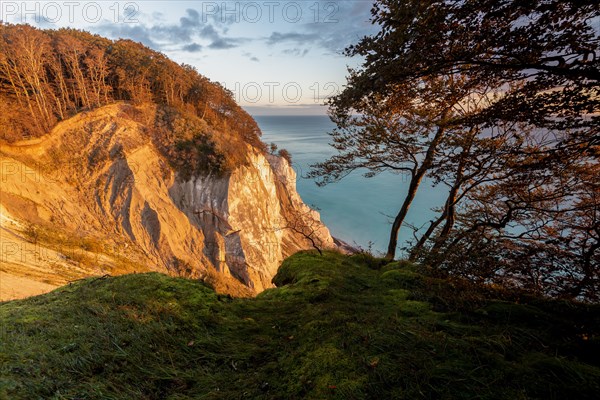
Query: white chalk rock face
(251, 219)
(99, 198)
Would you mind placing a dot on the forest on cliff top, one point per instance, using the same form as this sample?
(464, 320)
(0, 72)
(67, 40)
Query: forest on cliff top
(47, 76)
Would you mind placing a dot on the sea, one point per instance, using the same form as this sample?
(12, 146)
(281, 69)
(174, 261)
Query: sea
(357, 209)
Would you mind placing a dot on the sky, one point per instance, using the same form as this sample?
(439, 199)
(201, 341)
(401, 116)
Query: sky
(277, 57)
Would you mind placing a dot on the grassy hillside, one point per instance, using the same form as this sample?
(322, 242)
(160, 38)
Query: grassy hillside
(336, 327)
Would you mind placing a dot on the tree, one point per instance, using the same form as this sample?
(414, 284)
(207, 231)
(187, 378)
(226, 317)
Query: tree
(25, 50)
(304, 223)
(284, 153)
(97, 66)
(399, 130)
(526, 118)
(540, 231)
(543, 54)
(131, 68)
(47, 76)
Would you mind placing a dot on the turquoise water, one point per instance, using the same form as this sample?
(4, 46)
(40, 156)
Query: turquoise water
(356, 209)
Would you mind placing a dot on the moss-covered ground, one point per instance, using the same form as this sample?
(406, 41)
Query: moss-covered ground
(336, 327)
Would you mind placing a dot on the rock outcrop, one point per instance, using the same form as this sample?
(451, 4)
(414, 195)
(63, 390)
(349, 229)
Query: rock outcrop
(96, 196)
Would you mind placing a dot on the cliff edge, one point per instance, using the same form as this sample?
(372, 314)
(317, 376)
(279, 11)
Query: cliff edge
(98, 196)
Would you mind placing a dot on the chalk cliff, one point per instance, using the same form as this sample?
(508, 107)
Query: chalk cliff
(96, 196)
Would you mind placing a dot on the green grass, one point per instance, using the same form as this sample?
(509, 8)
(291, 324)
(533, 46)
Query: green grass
(336, 327)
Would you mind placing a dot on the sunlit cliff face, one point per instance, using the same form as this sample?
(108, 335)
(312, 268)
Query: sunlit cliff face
(117, 207)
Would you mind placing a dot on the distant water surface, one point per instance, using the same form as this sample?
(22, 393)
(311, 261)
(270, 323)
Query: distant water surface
(357, 210)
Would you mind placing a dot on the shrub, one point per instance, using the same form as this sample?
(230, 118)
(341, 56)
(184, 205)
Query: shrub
(285, 154)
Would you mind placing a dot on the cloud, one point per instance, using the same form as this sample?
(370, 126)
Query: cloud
(192, 48)
(352, 24)
(137, 33)
(209, 31)
(338, 25)
(296, 52)
(184, 35)
(250, 56)
(191, 20)
(278, 37)
(41, 20)
(224, 43)
(196, 31)
(158, 16)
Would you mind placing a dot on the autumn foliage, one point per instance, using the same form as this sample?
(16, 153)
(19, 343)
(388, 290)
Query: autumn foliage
(49, 75)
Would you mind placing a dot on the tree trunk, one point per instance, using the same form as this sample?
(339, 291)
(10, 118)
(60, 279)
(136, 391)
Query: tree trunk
(448, 214)
(415, 181)
(414, 252)
(412, 191)
(450, 207)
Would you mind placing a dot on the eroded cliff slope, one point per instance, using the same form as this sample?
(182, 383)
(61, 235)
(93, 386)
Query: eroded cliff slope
(97, 196)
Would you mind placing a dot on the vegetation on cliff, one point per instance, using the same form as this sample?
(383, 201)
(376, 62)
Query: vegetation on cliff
(47, 76)
(345, 327)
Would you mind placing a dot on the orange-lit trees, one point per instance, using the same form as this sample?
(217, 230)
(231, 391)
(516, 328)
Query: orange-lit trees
(46, 76)
(25, 50)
